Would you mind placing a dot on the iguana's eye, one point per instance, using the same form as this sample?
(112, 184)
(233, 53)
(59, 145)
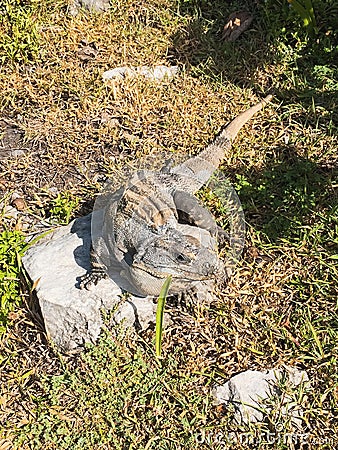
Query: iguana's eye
(182, 258)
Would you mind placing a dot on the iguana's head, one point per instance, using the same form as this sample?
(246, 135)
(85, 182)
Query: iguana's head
(188, 254)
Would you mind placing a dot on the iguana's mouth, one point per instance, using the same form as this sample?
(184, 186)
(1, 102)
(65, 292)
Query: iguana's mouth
(164, 275)
(153, 272)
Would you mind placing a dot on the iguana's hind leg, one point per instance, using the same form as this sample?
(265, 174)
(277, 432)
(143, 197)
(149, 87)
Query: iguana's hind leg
(96, 273)
(190, 211)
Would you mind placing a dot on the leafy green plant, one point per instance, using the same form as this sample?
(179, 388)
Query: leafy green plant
(160, 313)
(19, 37)
(12, 247)
(62, 208)
(304, 9)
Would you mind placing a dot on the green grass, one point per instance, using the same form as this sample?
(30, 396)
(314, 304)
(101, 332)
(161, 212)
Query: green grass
(62, 208)
(286, 197)
(117, 398)
(12, 247)
(19, 38)
(280, 306)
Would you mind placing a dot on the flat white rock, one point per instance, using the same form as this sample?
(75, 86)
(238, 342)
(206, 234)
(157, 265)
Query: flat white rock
(72, 316)
(251, 393)
(97, 6)
(156, 73)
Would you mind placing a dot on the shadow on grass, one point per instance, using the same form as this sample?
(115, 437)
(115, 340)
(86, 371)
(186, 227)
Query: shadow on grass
(276, 55)
(285, 198)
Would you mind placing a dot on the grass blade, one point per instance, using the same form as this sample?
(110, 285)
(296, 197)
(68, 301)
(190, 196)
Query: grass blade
(159, 315)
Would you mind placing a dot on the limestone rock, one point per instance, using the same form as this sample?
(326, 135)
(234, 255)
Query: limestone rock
(91, 5)
(156, 73)
(251, 393)
(73, 316)
(11, 140)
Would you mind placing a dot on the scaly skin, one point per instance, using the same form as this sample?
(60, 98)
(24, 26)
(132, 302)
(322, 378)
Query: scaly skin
(156, 227)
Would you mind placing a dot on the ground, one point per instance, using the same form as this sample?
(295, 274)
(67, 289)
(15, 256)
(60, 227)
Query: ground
(64, 131)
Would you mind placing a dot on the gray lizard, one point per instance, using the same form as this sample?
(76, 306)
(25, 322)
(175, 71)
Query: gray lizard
(153, 226)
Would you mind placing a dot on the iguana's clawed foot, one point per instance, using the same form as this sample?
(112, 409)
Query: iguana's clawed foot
(89, 280)
(222, 236)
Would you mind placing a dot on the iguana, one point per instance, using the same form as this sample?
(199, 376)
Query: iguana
(153, 226)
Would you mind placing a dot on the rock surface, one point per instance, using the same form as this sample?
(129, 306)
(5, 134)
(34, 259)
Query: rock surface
(252, 392)
(97, 6)
(156, 73)
(73, 316)
(11, 140)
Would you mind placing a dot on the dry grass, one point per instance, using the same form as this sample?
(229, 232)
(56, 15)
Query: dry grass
(279, 307)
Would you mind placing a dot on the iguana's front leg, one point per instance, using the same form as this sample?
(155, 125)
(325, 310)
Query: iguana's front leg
(96, 273)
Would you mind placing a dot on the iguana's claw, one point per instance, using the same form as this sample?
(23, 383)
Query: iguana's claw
(89, 280)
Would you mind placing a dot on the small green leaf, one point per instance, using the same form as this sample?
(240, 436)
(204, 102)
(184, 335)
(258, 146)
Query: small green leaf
(306, 12)
(316, 339)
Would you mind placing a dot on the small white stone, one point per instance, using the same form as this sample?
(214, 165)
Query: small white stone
(156, 73)
(10, 212)
(118, 72)
(16, 153)
(249, 390)
(91, 5)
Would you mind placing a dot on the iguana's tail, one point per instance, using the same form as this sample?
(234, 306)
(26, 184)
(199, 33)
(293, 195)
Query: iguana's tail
(233, 128)
(197, 170)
